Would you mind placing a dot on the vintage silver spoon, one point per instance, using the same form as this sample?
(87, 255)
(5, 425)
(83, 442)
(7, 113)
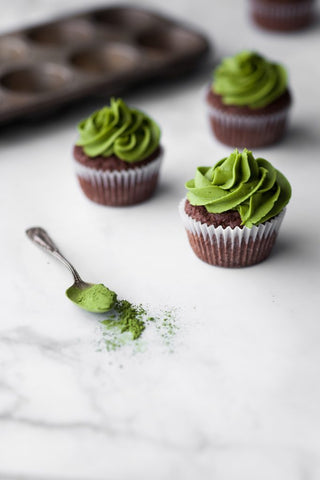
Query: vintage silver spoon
(92, 297)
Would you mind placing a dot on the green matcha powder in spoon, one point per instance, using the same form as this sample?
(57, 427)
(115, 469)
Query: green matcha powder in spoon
(91, 297)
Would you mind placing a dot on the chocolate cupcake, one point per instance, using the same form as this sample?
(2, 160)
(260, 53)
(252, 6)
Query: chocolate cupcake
(248, 101)
(118, 155)
(282, 15)
(233, 211)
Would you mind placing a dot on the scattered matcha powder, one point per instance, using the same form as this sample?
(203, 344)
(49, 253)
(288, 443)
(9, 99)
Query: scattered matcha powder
(167, 327)
(127, 322)
(130, 318)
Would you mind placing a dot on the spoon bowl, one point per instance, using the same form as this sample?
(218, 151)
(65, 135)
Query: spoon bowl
(93, 297)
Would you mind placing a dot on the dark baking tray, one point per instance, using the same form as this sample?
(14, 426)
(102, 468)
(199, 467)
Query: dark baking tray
(107, 49)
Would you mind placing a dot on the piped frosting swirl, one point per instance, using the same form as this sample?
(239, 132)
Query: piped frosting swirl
(248, 79)
(119, 130)
(253, 187)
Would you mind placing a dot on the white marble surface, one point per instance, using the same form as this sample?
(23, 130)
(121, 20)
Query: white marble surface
(238, 398)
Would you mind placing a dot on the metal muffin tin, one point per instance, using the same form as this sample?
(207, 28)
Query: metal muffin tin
(109, 50)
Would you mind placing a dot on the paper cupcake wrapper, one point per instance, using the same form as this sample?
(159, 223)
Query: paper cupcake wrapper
(118, 188)
(231, 247)
(281, 11)
(248, 130)
(282, 16)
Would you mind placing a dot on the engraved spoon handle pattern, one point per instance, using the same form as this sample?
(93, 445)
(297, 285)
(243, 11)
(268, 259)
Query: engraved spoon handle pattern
(41, 238)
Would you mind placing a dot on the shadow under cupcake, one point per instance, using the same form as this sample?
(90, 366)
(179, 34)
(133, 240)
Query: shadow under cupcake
(118, 155)
(233, 210)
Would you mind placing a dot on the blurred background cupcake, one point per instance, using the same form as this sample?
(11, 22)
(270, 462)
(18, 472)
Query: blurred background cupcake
(248, 101)
(282, 15)
(118, 155)
(233, 210)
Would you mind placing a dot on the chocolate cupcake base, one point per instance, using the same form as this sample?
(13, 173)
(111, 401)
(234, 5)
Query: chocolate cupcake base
(244, 127)
(286, 16)
(119, 187)
(231, 247)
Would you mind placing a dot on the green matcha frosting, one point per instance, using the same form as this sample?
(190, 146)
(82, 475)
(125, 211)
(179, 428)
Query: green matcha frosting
(119, 130)
(248, 79)
(240, 182)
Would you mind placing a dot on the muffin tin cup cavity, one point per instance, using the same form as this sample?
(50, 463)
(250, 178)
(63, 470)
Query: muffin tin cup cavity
(12, 49)
(39, 79)
(111, 59)
(62, 33)
(169, 42)
(130, 20)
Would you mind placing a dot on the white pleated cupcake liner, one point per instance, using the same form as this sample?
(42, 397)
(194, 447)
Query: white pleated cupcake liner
(281, 11)
(119, 187)
(250, 121)
(249, 131)
(231, 247)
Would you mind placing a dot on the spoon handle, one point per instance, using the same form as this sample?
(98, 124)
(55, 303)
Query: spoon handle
(41, 238)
